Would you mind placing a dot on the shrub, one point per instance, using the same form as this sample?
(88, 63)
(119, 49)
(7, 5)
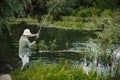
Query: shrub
(87, 12)
(51, 45)
(40, 71)
(106, 12)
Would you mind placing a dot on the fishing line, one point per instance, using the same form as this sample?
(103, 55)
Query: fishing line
(44, 20)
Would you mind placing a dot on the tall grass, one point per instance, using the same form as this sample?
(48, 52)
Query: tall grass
(61, 71)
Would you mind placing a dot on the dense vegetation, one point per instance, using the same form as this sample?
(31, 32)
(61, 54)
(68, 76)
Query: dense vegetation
(73, 12)
(61, 71)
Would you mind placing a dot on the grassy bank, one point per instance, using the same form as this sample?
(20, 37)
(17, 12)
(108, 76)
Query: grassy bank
(61, 71)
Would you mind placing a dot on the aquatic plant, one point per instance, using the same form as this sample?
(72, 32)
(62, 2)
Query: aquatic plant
(50, 46)
(42, 45)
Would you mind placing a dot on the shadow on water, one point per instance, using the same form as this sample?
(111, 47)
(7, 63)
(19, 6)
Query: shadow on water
(65, 37)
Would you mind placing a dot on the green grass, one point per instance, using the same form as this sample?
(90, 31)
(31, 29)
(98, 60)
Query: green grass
(61, 71)
(28, 20)
(66, 22)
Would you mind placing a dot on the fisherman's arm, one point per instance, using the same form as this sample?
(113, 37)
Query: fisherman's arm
(32, 35)
(33, 43)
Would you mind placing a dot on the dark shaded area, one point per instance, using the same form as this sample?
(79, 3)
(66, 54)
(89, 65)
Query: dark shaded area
(7, 51)
(5, 68)
(64, 36)
(57, 56)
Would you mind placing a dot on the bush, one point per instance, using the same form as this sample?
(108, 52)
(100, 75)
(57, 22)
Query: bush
(88, 12)
(84, 13)
(64, 71)
(69, 24)
(51, 45)
(69, 18)
(106, 12)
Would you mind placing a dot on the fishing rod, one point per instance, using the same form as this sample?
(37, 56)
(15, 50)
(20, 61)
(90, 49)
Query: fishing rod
(38, 34)
(44, 20)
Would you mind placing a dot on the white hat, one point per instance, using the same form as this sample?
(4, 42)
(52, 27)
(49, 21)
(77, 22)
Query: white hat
(26, 32)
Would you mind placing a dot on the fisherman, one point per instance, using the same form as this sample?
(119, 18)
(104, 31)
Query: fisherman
(24, 47)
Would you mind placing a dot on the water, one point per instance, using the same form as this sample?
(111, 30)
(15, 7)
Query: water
(80, 59)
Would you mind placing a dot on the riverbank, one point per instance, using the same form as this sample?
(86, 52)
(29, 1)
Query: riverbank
(61, 71)
(74, 23)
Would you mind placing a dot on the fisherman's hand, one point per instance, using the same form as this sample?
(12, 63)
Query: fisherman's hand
(32, 35)
(33, 42)
(37, 35)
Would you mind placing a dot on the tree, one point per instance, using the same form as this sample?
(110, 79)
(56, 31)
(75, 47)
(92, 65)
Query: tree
(9, 7)
(62, 7)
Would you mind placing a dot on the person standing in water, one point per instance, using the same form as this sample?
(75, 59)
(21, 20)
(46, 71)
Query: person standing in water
(24, 47)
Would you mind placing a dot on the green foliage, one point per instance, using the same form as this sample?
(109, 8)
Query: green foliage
(42, 45)
(87, 12)
(39, 71)
(8, 7)
(27, 20)
(46, 20)
(109, 35)
(106, 12)
(64, 7)
(92, 12)
(77, 23)
(106, 3)
(51, 45)
(83, 8)
(99, 3)
(116, 17)
(48, 17)
(69, 18)
(68, 24)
